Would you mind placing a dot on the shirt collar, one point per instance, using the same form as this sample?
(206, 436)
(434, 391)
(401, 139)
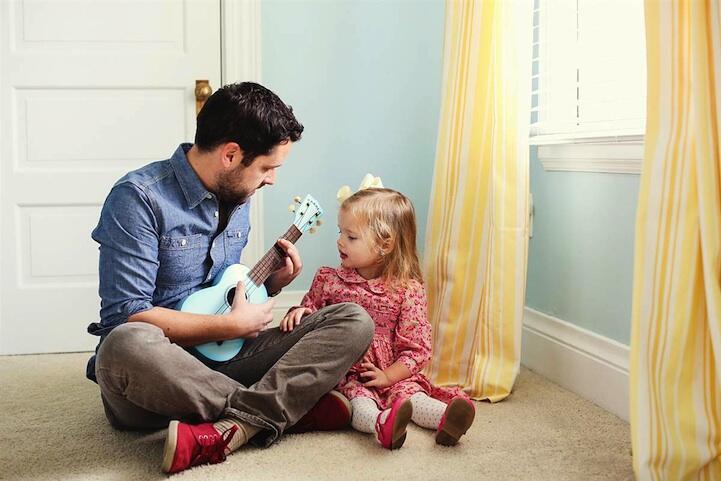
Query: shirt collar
(190, 183)
(352, 277)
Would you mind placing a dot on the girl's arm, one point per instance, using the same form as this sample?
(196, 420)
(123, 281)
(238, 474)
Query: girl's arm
(413, 331)
(413, 342)
(375, 377)
(313, 300)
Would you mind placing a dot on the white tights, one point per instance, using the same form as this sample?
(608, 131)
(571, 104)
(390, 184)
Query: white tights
(365, 414)
(427, 412)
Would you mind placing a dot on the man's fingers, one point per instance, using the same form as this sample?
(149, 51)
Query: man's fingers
(239, 295)
(293, 261)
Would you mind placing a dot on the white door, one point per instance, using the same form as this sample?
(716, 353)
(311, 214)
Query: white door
(89, 89)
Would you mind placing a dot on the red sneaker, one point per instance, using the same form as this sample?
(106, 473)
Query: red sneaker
(189, 445)
(455, 421)
(330, 413)
(392, 432)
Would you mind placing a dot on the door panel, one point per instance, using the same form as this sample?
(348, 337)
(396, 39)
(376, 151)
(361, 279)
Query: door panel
(89, 89)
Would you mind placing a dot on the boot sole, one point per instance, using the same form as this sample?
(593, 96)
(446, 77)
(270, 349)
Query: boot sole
(400, 423)
(459, 419)
(171, 442)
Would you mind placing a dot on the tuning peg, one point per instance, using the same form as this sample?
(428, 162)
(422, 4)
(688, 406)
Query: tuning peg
(296, 199)
(312, 230)
(291, 207)
(319, 222)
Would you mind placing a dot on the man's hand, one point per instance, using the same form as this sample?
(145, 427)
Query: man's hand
(285, 275)
(293, 318)
(374, 377)
(249, 318)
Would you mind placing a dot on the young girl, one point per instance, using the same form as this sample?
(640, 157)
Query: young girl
(380, 271)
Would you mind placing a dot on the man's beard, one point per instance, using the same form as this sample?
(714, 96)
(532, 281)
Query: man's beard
(227, 190)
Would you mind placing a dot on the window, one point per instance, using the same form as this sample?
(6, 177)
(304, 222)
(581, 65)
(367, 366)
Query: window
(589, 84)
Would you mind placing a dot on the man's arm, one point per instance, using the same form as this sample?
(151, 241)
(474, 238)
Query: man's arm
(186, 329)
(128, 238)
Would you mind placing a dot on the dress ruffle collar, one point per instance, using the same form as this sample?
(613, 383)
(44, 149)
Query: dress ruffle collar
(351, 276)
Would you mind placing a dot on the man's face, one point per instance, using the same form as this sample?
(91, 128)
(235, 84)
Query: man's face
(237, 185)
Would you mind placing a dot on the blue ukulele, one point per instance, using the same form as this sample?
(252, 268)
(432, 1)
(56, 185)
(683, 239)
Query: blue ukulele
(218, 298)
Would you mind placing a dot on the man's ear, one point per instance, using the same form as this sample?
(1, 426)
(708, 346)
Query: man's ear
(231, 155)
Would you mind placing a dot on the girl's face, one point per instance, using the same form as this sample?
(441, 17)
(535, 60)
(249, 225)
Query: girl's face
(356, 252)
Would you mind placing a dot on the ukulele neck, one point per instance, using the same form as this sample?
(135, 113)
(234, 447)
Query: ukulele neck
(274, 259)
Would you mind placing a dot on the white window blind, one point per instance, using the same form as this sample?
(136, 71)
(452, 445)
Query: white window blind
(589, 80)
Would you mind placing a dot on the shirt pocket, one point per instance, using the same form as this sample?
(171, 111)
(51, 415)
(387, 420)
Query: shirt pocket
(238, 236)
(182, 259)
(236, 240)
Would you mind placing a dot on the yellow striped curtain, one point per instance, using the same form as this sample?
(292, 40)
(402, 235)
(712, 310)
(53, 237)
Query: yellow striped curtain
(676, 330)
(477, 236)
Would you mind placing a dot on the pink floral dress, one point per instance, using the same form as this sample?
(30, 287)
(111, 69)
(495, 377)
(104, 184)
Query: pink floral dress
(402, 332)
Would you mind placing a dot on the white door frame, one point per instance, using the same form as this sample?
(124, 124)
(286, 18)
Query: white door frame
(240, 61)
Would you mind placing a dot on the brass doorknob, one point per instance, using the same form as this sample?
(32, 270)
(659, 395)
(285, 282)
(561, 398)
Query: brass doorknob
(202, 92)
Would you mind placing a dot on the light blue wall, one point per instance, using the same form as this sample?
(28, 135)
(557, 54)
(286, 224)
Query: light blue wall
(364, 77)
(580, 262)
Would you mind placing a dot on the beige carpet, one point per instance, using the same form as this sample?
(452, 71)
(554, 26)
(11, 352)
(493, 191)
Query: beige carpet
(52, 427)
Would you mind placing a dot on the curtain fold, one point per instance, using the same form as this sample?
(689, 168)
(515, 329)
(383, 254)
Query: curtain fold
(477, 235)
(676, 322)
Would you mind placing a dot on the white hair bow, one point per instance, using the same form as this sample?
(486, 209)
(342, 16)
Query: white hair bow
(369, 181)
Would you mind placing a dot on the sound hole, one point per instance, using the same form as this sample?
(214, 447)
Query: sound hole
(230, 296)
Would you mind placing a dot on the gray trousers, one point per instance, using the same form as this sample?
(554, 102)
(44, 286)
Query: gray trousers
(145, 380)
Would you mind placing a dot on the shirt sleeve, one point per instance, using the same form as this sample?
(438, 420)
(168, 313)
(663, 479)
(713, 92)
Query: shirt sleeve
(413, 332)
(128, 238)
(314, 299)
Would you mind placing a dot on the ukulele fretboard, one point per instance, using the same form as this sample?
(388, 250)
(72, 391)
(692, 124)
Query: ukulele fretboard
(273, 259)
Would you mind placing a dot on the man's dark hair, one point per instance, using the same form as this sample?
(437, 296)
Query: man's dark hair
(248, 114)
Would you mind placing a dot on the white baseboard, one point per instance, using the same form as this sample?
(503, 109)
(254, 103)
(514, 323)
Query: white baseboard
(590, 365)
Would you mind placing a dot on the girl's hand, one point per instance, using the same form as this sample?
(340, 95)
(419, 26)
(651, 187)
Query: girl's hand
(374, 377)
(293, 318)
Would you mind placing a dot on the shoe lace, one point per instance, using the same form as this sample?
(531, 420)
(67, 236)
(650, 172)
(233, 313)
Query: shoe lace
(213, 446)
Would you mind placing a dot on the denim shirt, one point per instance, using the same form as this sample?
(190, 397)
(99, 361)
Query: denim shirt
(159, 241)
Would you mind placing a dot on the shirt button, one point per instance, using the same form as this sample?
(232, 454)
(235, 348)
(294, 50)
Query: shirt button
(209, 196)
(238, 234)
(183, 242)
(215, 213)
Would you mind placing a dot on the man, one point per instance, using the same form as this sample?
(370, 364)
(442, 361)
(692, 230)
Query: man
(165, 231)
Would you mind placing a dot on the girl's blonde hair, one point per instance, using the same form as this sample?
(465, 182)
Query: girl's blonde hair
(391, 227)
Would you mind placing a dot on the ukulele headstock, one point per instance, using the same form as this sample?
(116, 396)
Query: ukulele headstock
(307, 213)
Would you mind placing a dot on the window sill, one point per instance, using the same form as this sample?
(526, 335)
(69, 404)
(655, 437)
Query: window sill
(607, 155)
